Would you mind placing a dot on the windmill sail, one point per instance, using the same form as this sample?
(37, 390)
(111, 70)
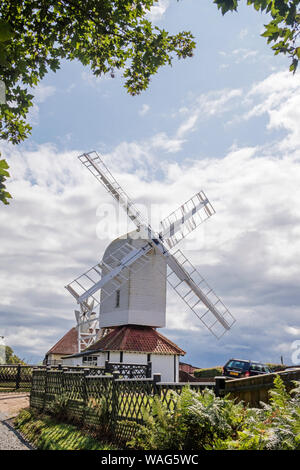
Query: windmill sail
(185, 219)
(97, 167)
(198, 295)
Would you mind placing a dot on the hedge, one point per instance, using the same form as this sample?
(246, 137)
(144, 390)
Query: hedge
(210, 372)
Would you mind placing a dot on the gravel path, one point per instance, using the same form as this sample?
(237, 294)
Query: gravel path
(10, 438)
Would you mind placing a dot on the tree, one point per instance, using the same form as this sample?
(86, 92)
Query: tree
(284, 28)
(106, 35)
(11, 358)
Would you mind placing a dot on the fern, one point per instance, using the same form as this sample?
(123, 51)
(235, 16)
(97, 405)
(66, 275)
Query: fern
(204, 421)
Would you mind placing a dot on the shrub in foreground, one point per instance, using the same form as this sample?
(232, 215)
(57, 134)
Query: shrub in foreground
(204, 421)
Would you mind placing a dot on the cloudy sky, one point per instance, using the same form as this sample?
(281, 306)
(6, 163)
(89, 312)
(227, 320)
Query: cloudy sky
(225, 121)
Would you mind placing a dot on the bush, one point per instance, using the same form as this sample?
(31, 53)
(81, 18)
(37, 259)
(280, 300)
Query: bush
(210, 372)
(196, 421)
(59, 407)
(274, 427)
(204, 421)
(276, 367)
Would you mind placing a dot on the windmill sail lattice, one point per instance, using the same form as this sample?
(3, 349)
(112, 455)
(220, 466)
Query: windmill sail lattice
(97, 167)
(200, 297)
(185, 219)
(183, 276)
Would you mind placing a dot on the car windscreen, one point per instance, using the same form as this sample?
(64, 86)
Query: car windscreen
(236, 364)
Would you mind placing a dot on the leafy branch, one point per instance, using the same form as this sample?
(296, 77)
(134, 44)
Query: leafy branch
(284, 28)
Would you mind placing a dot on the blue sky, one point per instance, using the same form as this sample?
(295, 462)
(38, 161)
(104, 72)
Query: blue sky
(225, 121)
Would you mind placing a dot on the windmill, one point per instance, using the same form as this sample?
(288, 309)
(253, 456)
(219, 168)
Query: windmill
(144, 251)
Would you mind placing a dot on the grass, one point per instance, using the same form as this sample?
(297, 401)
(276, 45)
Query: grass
(45, 433)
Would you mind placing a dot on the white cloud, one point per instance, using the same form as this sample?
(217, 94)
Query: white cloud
(292, 330)
(169, 144)
(217, 102)
(277, 97)
(158, 10)
(43, 92)
(239, 55)
(204, 107)
(188, 125)
(243, 33)
(144, 110)
(243, 54)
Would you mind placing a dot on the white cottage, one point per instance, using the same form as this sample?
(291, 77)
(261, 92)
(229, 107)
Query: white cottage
(133, 344)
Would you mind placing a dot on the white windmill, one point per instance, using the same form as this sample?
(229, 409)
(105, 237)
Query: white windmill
(132, 292)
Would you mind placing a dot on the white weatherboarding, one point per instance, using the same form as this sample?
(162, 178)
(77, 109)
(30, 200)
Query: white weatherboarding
(125, 260)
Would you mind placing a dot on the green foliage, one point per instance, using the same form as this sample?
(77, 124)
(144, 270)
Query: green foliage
(11, 358)
(275, 427)
(23, 417)
(276, 367)
(4, 195)
(203, 421)
(100, 409)
(284, 28)
(197, 420)
(46, 434)
(58, 408)
(209, 372)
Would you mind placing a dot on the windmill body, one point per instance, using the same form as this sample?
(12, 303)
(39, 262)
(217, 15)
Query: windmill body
(142, 299)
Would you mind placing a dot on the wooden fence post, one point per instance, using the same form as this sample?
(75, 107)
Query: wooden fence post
(46, 387)
(156, 380)
(18, 377)
(114, 398)
(84, 393)
(149, 370)
(220, 386)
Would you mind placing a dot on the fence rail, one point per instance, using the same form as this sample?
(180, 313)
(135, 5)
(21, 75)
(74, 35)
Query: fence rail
(18, 377)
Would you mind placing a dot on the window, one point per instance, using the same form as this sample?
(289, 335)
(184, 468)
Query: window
(236, 364)
(90, 360)
(118, 298)
(258, 368)
(121, 356)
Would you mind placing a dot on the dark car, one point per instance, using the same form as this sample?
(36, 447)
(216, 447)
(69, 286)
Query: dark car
(241, 368)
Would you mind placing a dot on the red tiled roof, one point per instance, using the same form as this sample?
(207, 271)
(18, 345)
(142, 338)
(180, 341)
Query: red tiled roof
(68, 344)
(187, 367)
(134, 338)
